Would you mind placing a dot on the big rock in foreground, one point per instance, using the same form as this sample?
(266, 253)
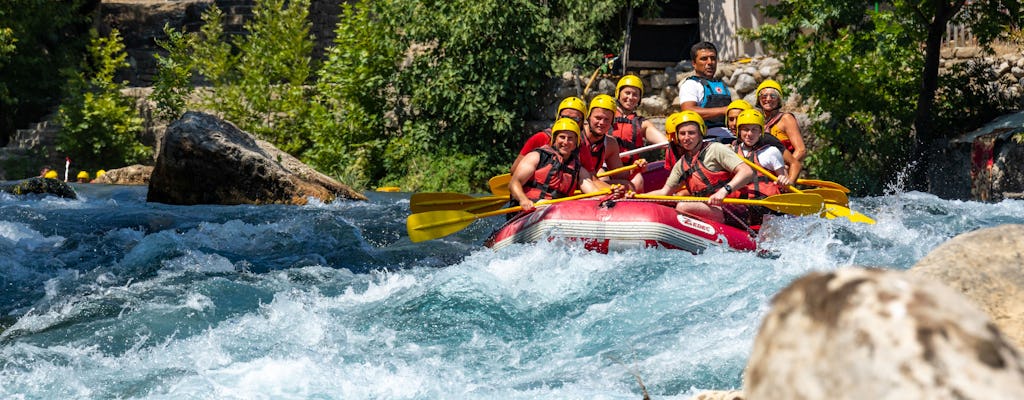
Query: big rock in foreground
(205, 160)
(873, 334)
(987, 266)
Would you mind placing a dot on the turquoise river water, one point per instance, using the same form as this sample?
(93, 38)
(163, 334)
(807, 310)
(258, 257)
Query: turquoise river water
(108, 296)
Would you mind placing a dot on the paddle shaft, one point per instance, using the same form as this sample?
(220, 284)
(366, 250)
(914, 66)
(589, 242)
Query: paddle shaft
(831, 210)
(799, 204)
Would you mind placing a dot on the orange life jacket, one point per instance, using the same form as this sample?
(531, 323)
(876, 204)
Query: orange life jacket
(700, 180)
(591, 155)
(627, 130)
(772, 127)
(554, 177)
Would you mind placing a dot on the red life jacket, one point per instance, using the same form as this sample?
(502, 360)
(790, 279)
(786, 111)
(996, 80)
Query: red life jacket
(554, 177)
(700, 180)
(762, 186)
(670, 156)
(626, 129)
(591, 155)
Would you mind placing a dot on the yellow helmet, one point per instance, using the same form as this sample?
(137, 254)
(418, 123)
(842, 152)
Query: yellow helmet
(629, 80)
(601, 101)
(768, 83)
(572, 103)
(50, 174)
(83, 175)
(673, 121)
(750, 117)
(565, 124)
(100, 173)
(739, 104)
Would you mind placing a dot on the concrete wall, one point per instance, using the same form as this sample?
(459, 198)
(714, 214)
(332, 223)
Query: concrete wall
(720, 21)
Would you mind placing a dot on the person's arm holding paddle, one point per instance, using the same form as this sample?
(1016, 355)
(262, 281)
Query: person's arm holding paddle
(741, 176)
(523, 173)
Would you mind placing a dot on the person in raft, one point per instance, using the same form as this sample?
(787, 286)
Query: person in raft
(754, 147)
(554, 170)
(705, 95)
(738, 106)
(629, 128)
(782, 125)
(598, 149)
(571, 107)
(708, 169)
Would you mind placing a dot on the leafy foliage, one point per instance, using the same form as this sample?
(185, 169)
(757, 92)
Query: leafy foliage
(860, 67)
(37, 40)
(173, 83)
(258, 80)
(413, 81)
(100, 125)
(863, 68)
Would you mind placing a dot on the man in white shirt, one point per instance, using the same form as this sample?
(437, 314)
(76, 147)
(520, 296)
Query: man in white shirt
(705, 95)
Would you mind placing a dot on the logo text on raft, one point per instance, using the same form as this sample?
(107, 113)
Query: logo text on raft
(695, 224)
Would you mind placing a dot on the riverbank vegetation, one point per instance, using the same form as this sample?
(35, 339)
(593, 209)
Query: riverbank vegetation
(872, 69)
(432, 95)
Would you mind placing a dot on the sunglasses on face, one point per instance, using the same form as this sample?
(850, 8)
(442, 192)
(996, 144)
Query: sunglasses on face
(769, 96)
(578, 120)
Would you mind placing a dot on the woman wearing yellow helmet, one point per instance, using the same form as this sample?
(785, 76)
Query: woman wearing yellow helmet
(571, 107)
(705, 168)
(630, 129)
(553, 170)
(782, 125)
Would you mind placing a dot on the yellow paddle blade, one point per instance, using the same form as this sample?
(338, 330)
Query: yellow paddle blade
(833, 211)
(435, 224)
(822, 184)
(831, 196)
(499, 184)
(789, 203)
(429, 201)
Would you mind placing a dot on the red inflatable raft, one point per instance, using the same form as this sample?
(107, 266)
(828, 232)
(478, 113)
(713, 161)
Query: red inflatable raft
(617, 225)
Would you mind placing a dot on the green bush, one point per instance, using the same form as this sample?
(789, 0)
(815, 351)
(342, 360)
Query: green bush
(173, 84)
(258, 81)
(100, 126)
(860, 68)
(408, 82)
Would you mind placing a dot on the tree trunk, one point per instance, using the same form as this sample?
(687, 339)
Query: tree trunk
(926, 141)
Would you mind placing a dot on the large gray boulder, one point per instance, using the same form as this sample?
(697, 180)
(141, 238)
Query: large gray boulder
(987, 266)
(206, 160)
(873, 334)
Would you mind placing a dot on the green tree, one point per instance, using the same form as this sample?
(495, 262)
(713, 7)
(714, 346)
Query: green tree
(432, 94)
(988, 20)
(258, 80)
(99, 125)
(862, 66)
(41, 39)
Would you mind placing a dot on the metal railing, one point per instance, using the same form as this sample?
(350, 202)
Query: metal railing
(958, 35)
